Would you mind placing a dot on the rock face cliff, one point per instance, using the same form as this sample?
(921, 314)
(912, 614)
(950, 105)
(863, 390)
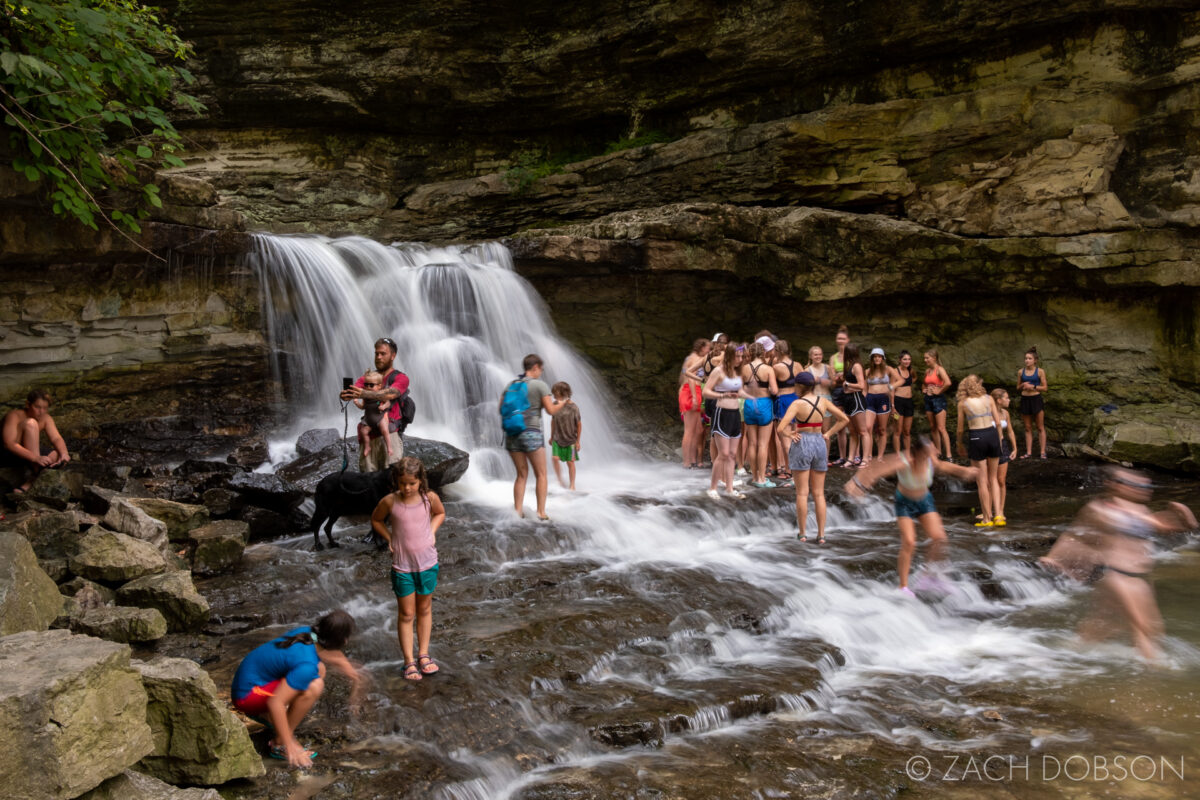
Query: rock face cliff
(976, 176)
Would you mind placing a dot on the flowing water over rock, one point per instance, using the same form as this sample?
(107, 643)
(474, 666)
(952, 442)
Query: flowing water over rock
(652, 643)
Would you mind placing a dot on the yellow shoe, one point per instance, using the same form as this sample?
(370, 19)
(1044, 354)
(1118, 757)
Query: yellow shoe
(985, 524)
(999, 522)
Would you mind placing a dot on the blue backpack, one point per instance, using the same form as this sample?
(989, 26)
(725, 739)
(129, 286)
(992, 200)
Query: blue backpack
(513, 407)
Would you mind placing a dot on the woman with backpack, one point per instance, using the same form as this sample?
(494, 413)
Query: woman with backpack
(521, 408)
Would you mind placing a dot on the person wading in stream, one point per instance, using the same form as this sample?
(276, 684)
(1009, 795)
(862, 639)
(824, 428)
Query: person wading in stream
(1114, 535)
(282, 680)
(408, 519)
(521, 407)
(374, 454)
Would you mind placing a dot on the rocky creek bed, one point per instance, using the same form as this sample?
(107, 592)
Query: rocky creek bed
(648, 643)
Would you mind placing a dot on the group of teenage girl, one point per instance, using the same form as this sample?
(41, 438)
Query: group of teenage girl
(754, 404)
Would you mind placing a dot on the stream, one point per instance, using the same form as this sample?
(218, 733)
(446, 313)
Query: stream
(652, 643)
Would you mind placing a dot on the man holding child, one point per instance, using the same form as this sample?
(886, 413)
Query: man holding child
(375, 452)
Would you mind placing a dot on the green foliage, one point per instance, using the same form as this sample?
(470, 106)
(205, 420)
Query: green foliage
(530, 166)
(81, 85)
(641, 140)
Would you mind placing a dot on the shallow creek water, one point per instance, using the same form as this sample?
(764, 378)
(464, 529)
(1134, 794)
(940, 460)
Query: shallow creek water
(650, 642)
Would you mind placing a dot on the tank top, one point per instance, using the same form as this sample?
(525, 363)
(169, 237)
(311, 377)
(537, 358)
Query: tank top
(1030, 378)
(413, 549)
(819, 389)
(837, 362)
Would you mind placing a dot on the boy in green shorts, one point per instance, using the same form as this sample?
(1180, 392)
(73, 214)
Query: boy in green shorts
(566, 431)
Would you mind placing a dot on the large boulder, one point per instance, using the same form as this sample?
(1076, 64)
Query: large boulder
(218, 546)
(121, 623)
(178, 517)
(51, 488)
(308, 470)
(197, 739)
(29, 600)
(114, 557)
(130, 785)
(250, 452)
(444, 463)
(1148, 435)
(53, 534)
(173, 594)
(73, 714)
(316, 440)
(89, 593)
(127, 518)
(265, 524)
(266, 490)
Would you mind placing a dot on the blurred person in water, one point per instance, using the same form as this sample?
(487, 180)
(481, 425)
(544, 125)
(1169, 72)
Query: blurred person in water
(1113, 537)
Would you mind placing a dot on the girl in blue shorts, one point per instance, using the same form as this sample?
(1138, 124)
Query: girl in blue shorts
(914, 501)
(413, 514)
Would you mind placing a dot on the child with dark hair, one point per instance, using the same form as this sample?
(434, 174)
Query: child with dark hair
(413, 514)
(282, 680)
(566, 431)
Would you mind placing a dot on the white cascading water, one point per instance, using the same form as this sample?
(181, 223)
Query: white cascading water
(464, 320)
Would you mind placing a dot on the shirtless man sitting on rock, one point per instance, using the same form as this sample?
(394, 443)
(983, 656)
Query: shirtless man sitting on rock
(23, 429)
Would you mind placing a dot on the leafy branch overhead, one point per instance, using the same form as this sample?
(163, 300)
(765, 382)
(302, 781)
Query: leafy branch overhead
(82, 83)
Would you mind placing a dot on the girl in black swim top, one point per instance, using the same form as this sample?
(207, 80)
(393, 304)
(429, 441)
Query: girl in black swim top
(854, 385)
(903, 409)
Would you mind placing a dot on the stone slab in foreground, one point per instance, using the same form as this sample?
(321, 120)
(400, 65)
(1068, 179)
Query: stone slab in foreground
(73, 713)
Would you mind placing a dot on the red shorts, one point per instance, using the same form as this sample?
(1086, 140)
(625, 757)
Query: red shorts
(255, 703)
(689, 398)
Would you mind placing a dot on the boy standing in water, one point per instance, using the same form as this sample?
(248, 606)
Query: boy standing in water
(566, 431)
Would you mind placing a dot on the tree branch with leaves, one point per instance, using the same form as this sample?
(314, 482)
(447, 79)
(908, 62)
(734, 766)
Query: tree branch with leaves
(82, 85)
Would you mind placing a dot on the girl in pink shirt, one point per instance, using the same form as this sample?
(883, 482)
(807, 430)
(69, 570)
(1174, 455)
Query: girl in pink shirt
(408, 519)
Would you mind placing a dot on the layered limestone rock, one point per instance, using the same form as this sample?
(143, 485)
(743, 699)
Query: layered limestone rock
(130, 785)
(114, 557)
(73, 712)
(173, 594)
(900, 285)
(197, 739)
(121, 624)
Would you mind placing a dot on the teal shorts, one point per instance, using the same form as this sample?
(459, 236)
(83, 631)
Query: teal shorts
(563, 452)
(405, 583)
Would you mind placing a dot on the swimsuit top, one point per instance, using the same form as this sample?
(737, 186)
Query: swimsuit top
(908, 380)
(791, 380)
(1003, 424)
(728, 384)
(837, 362)
(910, 480)
(1030, 378)
(816, 409)
(878, 381)
(933, 377)
(759, 383)
(967, 408)
(1127, 523)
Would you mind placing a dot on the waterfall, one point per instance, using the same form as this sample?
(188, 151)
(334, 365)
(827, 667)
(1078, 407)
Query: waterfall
(463, 320)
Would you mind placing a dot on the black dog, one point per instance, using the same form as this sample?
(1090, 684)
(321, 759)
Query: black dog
(347, 493)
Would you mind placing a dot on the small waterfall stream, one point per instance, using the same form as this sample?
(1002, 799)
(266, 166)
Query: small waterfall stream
(650, 638)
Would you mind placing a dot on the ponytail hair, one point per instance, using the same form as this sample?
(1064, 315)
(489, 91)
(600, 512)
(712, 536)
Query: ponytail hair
(331, 632)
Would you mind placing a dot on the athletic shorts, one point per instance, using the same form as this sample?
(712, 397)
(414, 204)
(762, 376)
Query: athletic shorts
(907, 507)
(727, 422)
(423, 582)
(852, 403)
(904, 406)
(527, 441)
(710, 410)
(689, 398)
(935, 403)
(759, 411)
(1032, 406)
(1005, 451)
(982, 444)
(255, 703)
(809, 453)
(782, 403)
(878, 403)
(563, 452)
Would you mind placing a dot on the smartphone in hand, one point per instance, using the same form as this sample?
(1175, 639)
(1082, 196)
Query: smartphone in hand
(347, 383)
